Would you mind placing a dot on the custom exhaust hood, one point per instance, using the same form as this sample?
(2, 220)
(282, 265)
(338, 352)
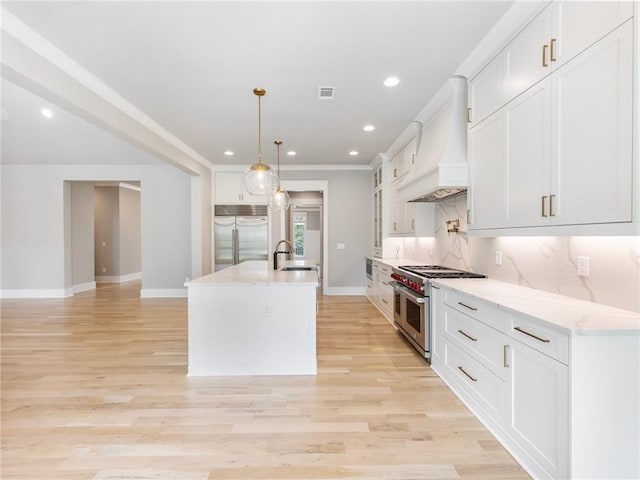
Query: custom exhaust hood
(441, 170)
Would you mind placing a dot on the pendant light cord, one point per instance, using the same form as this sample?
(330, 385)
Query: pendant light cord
(278, 143)
(259, 129)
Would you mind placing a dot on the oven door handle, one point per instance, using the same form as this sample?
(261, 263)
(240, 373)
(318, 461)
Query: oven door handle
(409, 293)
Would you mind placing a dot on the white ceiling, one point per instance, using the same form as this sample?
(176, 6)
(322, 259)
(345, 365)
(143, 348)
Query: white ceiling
(30, 138)
(192, 66)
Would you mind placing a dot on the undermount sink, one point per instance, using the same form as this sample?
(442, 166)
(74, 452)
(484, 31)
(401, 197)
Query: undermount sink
(297, 268)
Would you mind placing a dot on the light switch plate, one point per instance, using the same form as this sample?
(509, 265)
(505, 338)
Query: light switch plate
(583, 266)
(498, 257)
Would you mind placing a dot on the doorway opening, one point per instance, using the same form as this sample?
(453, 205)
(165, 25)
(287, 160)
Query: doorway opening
(304, 223)
(103, 233)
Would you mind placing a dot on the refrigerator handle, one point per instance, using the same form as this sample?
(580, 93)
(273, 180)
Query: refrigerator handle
(236, 247)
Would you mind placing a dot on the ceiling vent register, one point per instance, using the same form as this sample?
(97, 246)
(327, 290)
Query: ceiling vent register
(326, 93)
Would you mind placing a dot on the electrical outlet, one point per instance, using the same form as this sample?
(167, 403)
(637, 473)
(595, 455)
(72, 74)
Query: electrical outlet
(104, 269)
(583, 266)
(498, 257)
(104, 244)
(340, 246)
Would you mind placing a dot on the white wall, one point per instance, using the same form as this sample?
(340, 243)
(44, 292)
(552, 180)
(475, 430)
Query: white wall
(33, 224)
(130, 232)
(82, 249)
(106, 203)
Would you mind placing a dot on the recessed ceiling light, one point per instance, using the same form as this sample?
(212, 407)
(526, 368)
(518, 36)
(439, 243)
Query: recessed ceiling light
(229, 153)
(391, 82)
(369, 128)
(353, 153)
(46, 113)
(291, 153)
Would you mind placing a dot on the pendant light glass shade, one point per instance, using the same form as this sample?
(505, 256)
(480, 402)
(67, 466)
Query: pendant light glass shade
(279, 198)
(259, 178)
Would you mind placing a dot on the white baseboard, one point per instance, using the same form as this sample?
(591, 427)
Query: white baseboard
(351, 291)
(163, 293)
(37, 293)
(83, 287)
(118, 278)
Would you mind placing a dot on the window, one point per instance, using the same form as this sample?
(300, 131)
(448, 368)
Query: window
(299, 230)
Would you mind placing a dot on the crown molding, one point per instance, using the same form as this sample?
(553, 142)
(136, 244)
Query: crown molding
(297, 168)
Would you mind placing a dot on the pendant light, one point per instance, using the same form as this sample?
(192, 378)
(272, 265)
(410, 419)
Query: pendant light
(279, 198)
(259, 178)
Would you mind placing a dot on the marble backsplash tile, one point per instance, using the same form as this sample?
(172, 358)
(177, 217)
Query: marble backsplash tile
(544, 263)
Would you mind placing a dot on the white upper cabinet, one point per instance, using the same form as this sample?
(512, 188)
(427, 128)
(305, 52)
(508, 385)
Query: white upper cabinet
(577, 25)
(485, 165)
(559, 33)
(229, 190)
(592, 163)
(528, 157)
(559, 150)
(486, 91)
(526, 58)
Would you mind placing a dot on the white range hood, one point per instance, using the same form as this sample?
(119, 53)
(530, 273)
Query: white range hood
(441, 169)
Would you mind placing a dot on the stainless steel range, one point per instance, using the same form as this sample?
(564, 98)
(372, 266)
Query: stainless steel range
(411, 308)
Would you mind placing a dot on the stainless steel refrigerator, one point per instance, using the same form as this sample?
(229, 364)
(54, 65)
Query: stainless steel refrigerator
(240, 233)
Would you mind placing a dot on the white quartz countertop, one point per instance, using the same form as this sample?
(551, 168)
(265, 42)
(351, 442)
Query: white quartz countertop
(259, 273)
(575, 316)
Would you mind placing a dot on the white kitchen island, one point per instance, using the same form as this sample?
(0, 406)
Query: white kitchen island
(252, 320)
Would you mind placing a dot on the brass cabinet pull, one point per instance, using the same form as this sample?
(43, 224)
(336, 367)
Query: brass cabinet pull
(544, 206)
(395, 172)
(552, 50)
(532, 335)
(544, 55)
(472, 379)
(385, 301)
(469, 115)
(505, 361)
(395, 226)
(467, 306)
(551, 213)
(468, 336)
(413, 159)
(413, 224)
(435, 288)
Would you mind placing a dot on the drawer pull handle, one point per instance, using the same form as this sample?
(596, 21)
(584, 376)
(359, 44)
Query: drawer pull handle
(505, 351)
(435, 288)
(467, 306)
(545, 340)
(544, 55)
(384, 301)
(468, 336)
(472, 379)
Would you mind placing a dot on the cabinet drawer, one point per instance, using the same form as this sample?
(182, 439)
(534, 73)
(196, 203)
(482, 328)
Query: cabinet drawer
(538, 336)
(480, 310)
(483, 386)
(484, 343)
(385, 269)
(387, 301)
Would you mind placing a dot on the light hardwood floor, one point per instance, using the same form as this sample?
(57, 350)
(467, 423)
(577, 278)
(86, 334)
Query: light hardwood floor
(94, 387)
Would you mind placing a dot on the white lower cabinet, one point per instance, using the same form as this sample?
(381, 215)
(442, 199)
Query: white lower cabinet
(381, 289)
(538, 398)
(511, 372)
